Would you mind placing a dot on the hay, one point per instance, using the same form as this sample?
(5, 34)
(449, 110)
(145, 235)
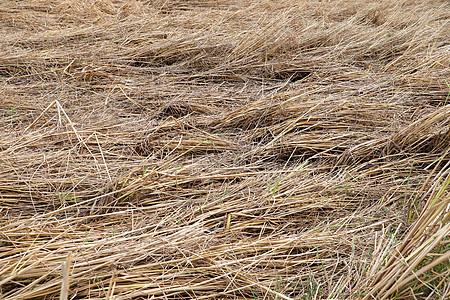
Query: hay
(224, 149)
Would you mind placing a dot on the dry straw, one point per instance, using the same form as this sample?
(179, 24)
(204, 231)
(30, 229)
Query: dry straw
(224, 149)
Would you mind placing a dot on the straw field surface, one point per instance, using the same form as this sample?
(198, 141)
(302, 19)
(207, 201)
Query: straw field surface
(213, 149)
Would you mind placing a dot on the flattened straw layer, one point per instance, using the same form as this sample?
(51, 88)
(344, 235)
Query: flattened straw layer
(231, 149)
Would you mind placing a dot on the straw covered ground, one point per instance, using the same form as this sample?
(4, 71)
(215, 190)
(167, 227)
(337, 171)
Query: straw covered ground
(213, 149)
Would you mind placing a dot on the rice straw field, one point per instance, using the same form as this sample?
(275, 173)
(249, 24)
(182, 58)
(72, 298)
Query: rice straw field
(213, 149)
